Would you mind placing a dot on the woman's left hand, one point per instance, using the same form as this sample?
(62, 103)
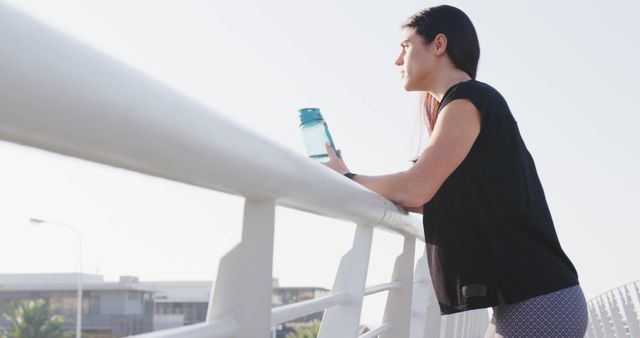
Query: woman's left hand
(335, 160)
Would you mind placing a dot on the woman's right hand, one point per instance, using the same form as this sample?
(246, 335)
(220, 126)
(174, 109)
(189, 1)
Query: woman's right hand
(335, 160)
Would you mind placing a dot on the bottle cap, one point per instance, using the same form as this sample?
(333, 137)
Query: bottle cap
(309, 114)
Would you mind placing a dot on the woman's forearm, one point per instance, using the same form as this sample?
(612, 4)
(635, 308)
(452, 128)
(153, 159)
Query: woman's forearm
(390, 186)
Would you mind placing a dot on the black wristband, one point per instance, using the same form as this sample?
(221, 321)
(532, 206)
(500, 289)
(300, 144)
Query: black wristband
(349, 175)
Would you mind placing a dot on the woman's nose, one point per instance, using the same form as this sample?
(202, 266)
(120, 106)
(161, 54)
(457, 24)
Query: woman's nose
(399, 60)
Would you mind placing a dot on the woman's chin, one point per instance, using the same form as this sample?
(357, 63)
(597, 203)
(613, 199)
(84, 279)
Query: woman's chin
(409, 87)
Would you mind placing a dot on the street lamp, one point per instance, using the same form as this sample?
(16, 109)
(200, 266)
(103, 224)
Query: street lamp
(37, 222)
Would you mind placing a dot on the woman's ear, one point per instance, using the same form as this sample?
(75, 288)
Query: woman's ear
(440, 44)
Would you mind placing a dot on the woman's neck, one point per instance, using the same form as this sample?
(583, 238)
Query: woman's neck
(446, 81)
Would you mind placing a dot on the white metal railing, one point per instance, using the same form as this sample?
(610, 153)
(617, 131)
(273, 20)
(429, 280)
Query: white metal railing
(615, 313)
(59, 95)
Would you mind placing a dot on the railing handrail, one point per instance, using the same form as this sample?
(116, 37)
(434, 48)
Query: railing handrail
(119, 117)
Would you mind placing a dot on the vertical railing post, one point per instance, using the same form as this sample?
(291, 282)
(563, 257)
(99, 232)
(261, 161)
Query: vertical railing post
(456, 324)
(448, 323)
(398, 308)
(464, 328)
(425, 318)
(244, 284)
(596, 320)
(476, 323)
(616, 316)
(351, 278)
(471, 329)
(606, 320)
(630, 313)
(591, 332)
(483, 320)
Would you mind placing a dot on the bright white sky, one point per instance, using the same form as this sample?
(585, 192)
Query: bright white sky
(568, 70)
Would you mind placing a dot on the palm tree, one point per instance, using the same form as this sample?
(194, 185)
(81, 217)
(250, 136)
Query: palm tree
(32, 319)
(310, 332)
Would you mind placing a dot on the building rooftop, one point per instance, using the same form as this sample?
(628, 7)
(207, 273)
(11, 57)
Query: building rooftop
(28, 278)
(164, 291)
(72, 286)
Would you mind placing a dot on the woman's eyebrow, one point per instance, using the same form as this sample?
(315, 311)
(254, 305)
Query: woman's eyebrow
(404, 41)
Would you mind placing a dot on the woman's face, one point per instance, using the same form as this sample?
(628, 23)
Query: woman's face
(416, 61)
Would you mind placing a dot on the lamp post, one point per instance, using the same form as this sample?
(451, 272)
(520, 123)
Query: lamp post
(37, 222)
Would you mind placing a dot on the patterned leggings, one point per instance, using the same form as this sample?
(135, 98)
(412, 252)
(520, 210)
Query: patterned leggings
(562, 313)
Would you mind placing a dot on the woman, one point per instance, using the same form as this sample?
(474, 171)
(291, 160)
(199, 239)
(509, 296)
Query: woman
(489, 234)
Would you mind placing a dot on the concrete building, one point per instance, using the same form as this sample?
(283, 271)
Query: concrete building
(109, 309)
(130, 306)
(178, 303)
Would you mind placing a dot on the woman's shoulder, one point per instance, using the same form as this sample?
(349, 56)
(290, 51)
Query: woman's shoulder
(479, 86)
(484, 97)
(479, 90)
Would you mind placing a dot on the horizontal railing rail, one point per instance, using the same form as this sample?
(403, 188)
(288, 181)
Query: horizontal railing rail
(377, 331)
(222, 328)
(288, 312)
(382, 287)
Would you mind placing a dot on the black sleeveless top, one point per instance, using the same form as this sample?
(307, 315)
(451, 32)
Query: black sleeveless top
(490, 237)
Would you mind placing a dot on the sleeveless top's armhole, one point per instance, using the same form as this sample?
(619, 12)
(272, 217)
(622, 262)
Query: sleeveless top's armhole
(468, 91)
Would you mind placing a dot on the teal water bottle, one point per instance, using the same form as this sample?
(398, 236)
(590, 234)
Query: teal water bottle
(315, 133)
